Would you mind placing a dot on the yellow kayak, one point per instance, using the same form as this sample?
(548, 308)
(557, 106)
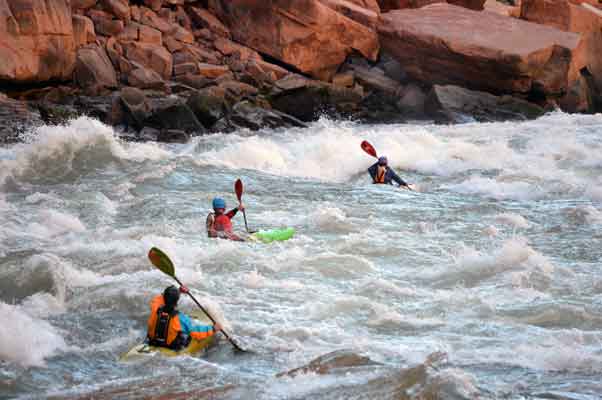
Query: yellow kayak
(195, 347)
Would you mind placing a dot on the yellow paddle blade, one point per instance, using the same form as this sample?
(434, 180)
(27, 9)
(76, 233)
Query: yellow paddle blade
(161, 261)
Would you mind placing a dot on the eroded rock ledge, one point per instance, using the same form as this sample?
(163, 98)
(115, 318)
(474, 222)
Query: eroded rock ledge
(168, 69)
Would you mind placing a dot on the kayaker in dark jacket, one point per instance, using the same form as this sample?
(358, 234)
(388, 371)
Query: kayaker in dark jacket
(381, 173)
(168, 327)
(219, 224)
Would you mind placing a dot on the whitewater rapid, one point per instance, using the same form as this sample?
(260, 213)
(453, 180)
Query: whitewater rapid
(495, 261)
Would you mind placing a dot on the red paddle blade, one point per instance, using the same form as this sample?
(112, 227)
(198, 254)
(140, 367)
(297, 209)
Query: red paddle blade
(238, 189)
(368, 148)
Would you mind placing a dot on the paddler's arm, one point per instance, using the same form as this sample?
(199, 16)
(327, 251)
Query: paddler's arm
(196, 331)
(397, 179)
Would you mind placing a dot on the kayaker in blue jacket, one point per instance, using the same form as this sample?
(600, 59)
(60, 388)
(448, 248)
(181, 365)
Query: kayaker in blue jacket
(381, 173)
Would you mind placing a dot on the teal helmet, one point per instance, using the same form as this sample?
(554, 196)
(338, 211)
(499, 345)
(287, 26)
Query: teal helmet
(218, 203)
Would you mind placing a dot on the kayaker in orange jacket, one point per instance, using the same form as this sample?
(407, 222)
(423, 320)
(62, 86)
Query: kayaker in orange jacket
(168, 327)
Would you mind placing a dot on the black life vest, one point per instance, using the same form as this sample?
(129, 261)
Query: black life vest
(162, 328)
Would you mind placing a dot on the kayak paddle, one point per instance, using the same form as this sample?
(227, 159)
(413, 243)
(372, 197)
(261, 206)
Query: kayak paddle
(238, 189)
(160, 260)
(368, 148)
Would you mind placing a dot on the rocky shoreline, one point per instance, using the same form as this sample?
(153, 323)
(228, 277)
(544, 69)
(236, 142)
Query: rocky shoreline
(169, 69)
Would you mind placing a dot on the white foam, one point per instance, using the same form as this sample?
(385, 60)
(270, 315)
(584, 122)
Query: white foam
(55, 223)
(330, 219)
(255, 280)
(517, 190)
(514, 220)
(26, 340)
(472, 266)
(50, 151)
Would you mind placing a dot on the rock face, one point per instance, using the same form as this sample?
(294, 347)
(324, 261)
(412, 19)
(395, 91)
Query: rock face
(507, 56)
(562, 14)
(36, 40)
(305, 34)
(454, 104)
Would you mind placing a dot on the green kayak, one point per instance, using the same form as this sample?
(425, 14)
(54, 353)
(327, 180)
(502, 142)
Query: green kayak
(272, 235)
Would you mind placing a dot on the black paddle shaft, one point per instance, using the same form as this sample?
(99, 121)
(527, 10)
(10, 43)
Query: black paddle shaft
(244, 214)
(236, 346)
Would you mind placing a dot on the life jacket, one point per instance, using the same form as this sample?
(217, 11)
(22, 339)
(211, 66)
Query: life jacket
(164, 327)
(380, 174)
(219, 223)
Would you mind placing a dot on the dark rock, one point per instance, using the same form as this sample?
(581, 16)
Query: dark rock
(173, 113)
(136, 107)
(173, 136)
(58, 114)
(194, 80)
(208, 105)
(247, 115)
(16, 117)
(149, 134)
(455, 104)
(300, 97)
(412, 101)
(100, 108)
(375, 79)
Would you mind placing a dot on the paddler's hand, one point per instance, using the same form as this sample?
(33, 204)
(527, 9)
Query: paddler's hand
(241, 207)
(217, 327)
(184, 289)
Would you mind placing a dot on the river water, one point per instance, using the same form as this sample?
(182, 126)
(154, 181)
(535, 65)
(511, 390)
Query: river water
(493, 267)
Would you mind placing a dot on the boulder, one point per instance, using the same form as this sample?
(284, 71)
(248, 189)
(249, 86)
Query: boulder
(135, 105)
(229, 48)
(507, 56)
(562, 14)
(375, 79)
(145, 78)
(150, 18)
(182, 34)
(305, 34)
(146, 34)
(173, 136)
(195, 81)
(245, 114)
(119, 8)
(204, 19)
(365, 12)
(412, 100)
(93, 70)
(173, 113)
(499, 8)
(151, 56)
(36, 41)
(104, 24)
(212, 71)
(82, 4)
(83, 30)
(453, 104)
(209, 105)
